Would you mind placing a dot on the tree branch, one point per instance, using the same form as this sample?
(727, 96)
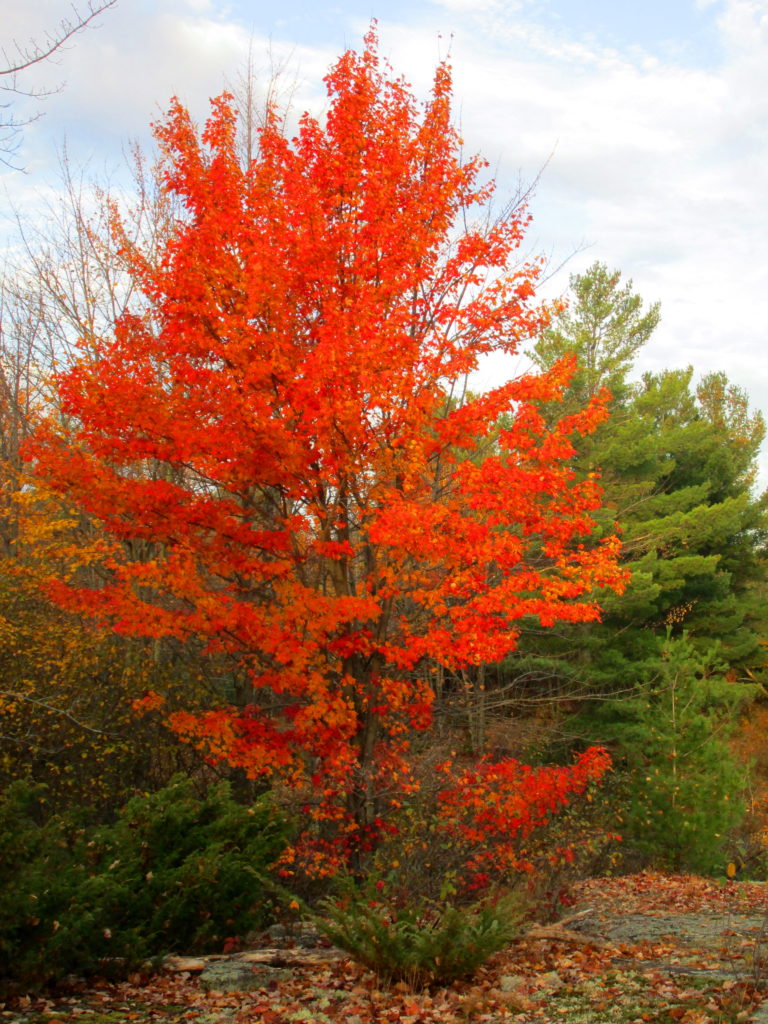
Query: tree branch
(38, 53)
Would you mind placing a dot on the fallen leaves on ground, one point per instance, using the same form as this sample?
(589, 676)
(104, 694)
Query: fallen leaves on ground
(532, 982)
(649, 892)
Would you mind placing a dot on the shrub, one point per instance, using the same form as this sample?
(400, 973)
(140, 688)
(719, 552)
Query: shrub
(37, 872)
(423, 942)
(494, 810)
(425, 906)
(496, 825)
(174, 872)
(183, 864)
(576, 844)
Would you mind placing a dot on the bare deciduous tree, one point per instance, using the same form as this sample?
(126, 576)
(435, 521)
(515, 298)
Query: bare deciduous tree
(17, 58)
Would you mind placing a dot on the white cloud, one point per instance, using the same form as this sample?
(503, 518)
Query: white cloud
(657, 166)
(479, 6)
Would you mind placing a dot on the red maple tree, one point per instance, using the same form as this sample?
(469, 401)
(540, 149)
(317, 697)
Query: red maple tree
(281, 447)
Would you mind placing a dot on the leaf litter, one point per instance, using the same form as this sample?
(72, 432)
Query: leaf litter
(534, 981)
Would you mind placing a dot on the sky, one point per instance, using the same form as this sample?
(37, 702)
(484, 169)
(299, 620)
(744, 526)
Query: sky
(644, 123)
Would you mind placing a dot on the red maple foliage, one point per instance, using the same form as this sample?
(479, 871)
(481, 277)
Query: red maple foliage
(281, 447)
(493, 807)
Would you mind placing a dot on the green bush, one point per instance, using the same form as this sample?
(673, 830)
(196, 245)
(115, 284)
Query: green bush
(37, 872)
(175, 872)
(422, 943)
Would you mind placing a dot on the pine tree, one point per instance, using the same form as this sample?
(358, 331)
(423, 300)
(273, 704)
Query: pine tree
(681, 788)
(605, 327)
(677, 465)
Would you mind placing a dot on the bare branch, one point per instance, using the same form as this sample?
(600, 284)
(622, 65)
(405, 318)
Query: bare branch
(54, 710)
(37, 53)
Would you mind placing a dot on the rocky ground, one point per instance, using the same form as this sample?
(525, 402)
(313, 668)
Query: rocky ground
(647, 948)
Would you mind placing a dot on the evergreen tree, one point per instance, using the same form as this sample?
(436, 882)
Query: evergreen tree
(604, 326)
(677, 465)
(668, 661)
(681, 789)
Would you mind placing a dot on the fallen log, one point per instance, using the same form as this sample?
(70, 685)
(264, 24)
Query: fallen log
(560, 932)
(258, 957)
